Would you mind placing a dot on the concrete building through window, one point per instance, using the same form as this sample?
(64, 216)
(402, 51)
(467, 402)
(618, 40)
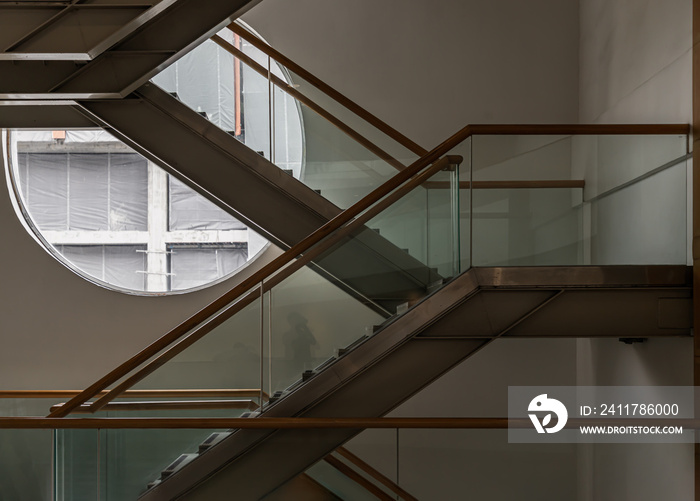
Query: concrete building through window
(120, 220)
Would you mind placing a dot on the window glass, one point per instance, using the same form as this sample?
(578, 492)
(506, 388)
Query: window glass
(121, 220)
(128, 192)
(191, 211)
(191, 267)
(120, 265)
(45, 186)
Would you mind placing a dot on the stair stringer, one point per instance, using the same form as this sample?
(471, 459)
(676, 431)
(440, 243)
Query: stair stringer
(257, 192)
(391, 366)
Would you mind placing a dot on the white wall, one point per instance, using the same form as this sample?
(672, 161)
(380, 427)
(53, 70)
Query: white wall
(636, 67)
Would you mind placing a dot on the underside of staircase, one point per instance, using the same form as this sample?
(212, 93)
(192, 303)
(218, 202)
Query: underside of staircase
(411, 351)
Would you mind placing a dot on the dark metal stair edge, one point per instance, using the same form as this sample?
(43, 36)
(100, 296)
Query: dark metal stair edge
(320, 387)
(332, 438)
(172, 17)
(18, 115)
(130, 28)
(289, 186)
(84, 108)
(305, 206)
(259, 165)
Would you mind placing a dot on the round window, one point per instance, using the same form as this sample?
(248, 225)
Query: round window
(118, 219)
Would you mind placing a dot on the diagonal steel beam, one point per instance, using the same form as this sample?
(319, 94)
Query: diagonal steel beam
(124, 62)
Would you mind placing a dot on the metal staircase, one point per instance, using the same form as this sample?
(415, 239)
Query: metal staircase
(409, 352)
(431, 322)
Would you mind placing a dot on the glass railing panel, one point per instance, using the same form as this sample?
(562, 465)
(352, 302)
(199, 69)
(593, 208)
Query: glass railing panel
(350, 118)
(322, 143)
(231, 95)
(632, 182)
(521, 158)
(339, 483)
(527, 227)
(26, 464)
(314, 315)
(132, 459)
(77, 464)
(288, 134)
(343, 169)
(642, 223)
(228, 357)
(310, 319)
(113, 465)
(609, 161)
(424, 223)
(26, 456)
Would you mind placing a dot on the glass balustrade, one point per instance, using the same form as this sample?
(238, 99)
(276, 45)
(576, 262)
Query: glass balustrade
(514, 201)
(26, 455)
(118, 464)
(285, 118)
(540, 200)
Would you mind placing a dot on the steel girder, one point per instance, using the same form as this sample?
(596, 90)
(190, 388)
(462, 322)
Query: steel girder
(80, 50)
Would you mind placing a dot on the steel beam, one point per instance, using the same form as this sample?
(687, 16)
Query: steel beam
(116, 62)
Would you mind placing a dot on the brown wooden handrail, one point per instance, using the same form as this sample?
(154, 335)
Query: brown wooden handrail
(328, 90)
(369, 470)
(258, 68)
(506, 185)
(264, 423)
(251, 284)
(579, 129)
(170, 405)
(178, 393)
(269, 283)
(357, 478)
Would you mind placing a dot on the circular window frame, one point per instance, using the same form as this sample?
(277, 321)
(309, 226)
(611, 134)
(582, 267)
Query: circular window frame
(23, 214)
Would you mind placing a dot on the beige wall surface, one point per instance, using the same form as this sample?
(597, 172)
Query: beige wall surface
(431, 67)
(428, 68)
(635, 61)
(59, 331)
(636, 67)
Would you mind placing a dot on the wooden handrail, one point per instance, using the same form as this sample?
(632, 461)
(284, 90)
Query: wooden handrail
(369, 470)
(258, 68)
(579, 129)
(357, 478)
(170, 405)
(193, 393)
(251, 284)
(506, 185)
(264, 423)
(328, 90)
(280, 276)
